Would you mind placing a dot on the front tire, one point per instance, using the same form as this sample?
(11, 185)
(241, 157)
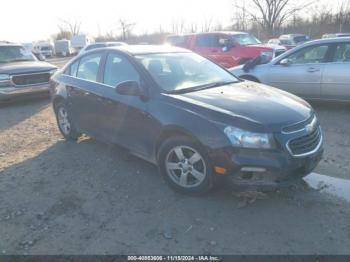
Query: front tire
(64, 122)
(185, 166)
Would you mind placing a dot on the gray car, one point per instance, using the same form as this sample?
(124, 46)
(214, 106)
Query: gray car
(21, 74)
(315, 70)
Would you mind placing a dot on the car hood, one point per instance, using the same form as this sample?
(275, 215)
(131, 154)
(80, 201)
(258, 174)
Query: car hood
(25, 67)
(267, 47)
(247, 105)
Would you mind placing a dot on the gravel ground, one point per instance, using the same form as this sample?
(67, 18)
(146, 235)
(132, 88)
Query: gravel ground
(61, 197)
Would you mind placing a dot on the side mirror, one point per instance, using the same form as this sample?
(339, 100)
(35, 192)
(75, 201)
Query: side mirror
(129, 88)
(285, 62)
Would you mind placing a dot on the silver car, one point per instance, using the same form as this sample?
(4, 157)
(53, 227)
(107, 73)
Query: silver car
(318, 69)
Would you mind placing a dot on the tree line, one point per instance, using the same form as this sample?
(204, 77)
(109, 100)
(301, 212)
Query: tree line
(264, 18)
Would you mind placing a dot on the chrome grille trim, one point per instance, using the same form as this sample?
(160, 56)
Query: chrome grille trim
(318, 146)
(29, 74)
(311, 120)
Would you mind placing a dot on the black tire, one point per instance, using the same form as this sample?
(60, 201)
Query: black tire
(164, 152)
(68, 134)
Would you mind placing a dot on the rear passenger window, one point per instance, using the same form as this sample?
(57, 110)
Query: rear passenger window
(207, 41)
(88, 67)
(118, 69)
(342, 53)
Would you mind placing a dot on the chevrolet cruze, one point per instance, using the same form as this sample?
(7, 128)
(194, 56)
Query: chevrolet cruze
(193, 119)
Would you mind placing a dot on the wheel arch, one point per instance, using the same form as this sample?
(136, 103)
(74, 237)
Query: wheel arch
(172, 131)
(57, 99)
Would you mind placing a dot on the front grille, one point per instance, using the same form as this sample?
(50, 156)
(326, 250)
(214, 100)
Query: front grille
(31, 79)
(305, 144)
(298, 126)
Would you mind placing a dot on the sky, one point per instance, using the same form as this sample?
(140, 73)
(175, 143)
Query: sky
(33, 20)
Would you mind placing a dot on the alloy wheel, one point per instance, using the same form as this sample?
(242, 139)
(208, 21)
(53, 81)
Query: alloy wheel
(185, 166)
(63, 120)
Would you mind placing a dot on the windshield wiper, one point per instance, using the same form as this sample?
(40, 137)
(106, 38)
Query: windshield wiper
(201, 87)
(20, 60)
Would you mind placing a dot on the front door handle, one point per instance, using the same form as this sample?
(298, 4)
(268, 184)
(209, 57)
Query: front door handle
(312, 70)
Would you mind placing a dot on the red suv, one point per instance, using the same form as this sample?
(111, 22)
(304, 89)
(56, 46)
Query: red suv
(228, 49)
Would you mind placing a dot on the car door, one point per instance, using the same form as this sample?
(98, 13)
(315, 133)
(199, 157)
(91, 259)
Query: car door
(124, 119)
(336, 77)
(301, 74)
(84, 92)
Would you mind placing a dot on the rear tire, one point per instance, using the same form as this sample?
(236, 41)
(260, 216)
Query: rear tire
(64, 122)
(185, 166)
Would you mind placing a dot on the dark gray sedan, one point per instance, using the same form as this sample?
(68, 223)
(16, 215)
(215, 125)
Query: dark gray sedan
(21, 74)
(315, 70)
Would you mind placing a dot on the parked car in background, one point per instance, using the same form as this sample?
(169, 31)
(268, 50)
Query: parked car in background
(294, 39)
(100, 45)
(78, 42)
(288, 44)
(225, 48)
(44, 48)
(188, 115)
(29, 46)
(21, 74)
(63, 48)
(336, 35)
(315, 70)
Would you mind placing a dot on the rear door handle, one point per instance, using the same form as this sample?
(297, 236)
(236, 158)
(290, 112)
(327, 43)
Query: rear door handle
(312, 70)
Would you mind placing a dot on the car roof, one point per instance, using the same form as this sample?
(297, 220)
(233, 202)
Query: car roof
(9, 44)
(291, 35)
(328, 40)
(148, 49)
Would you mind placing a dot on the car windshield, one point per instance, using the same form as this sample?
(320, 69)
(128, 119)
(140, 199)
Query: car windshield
(299, 39)
(286, 42)
(246, 39)
(10, 54)
(182, 72)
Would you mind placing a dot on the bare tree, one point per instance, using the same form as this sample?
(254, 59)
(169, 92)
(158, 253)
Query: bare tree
(192, 28)
(71, 26)
(240, 18)
(207, 24)
(178, 26)
(62, 34)
(126, 28)
(271, 14)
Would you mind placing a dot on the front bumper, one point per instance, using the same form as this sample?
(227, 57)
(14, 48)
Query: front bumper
(255, 167)
(11, 92)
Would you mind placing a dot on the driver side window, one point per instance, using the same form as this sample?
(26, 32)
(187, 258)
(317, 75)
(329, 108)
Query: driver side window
(309, 55)
(118, 69)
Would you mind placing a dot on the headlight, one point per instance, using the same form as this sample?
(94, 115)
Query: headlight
(4, 77)
(267, 53)
(246, 139)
